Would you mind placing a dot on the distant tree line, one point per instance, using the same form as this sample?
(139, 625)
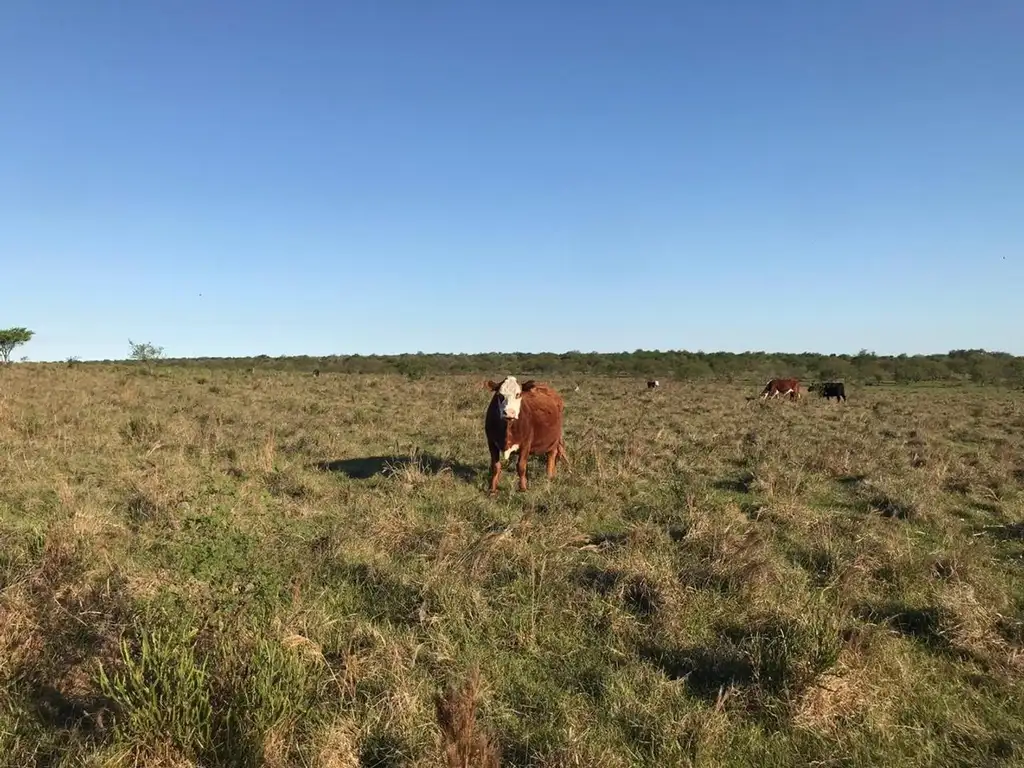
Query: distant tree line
(959, 365)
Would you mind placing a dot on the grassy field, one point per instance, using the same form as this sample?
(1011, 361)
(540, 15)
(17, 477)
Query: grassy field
(224, 568)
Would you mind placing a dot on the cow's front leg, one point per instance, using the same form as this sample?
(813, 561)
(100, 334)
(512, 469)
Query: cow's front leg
(552, 458)
(524, 455)
(495, 470)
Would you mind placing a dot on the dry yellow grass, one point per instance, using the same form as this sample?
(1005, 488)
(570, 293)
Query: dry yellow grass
(222, 568)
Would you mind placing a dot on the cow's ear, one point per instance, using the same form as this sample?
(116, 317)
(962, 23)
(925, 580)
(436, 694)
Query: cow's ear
(491, 385)
(528, 385)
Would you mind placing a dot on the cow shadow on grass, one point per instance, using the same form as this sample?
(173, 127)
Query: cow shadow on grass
(366, 467)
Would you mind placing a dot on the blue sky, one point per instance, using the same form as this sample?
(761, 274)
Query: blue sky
(328, 177)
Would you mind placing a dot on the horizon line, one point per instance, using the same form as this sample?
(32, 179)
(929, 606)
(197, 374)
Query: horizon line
(864, 352)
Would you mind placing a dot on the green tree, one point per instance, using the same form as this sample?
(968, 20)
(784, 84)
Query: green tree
(11, 339)
(144, 352)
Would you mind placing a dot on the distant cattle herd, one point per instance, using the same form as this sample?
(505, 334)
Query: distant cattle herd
(526, 419)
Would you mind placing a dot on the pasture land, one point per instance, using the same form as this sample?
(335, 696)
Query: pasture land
(218, 568)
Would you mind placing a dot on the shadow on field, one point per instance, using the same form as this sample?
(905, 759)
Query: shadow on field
(70, 619)
(705, 670)
(1006, 532)
(383, 750)
(763, 665)
(850, 481)
(742, 483)
(370, 466)
(887, 506)
(56, 709)
(923, 624)
(600, 580)
(870, 499)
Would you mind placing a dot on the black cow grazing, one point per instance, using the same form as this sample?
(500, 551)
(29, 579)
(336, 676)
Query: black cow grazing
(652, 384)
(834, 389)
(316, 371)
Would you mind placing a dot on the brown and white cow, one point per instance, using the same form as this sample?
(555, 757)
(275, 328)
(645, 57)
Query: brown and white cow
(525, 419)
(776, 387)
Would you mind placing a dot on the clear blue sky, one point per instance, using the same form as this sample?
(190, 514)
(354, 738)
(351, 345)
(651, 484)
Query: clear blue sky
(318, 177)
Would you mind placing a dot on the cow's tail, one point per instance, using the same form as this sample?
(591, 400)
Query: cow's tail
(561, 454)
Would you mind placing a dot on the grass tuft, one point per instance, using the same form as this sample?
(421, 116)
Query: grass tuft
(464, 744)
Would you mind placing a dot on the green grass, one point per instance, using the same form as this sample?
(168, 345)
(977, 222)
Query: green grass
(219, 568)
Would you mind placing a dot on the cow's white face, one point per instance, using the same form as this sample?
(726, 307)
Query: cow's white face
(510, 398)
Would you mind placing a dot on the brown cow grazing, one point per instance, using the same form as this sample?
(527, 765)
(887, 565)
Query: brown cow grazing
(776, 387)
(524, 419)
